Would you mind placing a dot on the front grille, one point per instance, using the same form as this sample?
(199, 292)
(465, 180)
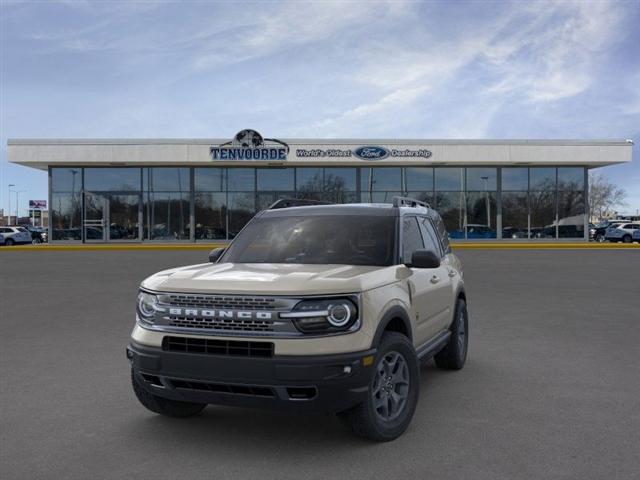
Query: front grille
(254, 390)
(218, 347)
(222, 324)
(223, 302)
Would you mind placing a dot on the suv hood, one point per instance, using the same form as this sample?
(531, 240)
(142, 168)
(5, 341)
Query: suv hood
(269, 278)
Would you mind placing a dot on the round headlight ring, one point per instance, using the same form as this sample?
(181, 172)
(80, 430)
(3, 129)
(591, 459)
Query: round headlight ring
(339, 314)
(146, 304)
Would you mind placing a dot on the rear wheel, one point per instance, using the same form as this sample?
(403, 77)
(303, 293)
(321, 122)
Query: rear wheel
(9, 242)
(164, 406)
(454, 355)
(392, 395)
(626, 239)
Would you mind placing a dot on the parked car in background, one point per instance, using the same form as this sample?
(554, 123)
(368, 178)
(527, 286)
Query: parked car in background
(474, 231)
(622, 233)
(598, 232)
(38, 234)
(514, 232)
(15, 235)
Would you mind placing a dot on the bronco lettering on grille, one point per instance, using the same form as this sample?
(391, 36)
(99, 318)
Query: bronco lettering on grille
(207, 313)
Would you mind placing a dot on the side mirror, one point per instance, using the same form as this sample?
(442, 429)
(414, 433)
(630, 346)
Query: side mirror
(215, 254)
(424, 259)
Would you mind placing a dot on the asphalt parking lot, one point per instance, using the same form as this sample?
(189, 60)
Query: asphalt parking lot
(551, 388)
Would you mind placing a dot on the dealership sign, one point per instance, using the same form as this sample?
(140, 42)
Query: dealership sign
(366, 152)
(250, 145)
(38, 204)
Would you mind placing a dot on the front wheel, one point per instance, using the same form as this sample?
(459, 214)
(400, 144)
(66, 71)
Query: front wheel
(626, 239)
(599, 238)
(454, 355)
(164, 406)
(9, 242)
(392, 395)
(36, 241)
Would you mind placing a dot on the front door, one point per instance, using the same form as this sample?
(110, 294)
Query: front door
(112, 217)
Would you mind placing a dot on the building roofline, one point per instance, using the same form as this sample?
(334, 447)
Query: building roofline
(316, 141)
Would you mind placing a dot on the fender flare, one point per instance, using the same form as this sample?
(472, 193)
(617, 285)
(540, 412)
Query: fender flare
(394, 312)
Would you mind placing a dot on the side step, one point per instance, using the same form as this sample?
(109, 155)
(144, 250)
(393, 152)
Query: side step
(433, 346)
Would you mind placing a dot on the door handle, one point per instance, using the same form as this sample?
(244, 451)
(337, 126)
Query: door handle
(452, 273)
(435, 279)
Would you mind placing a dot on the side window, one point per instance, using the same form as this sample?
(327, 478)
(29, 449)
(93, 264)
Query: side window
(411, 238)
(430, 237)
(442, 233)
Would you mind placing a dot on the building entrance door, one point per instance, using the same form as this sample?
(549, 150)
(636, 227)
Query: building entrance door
(112, 217)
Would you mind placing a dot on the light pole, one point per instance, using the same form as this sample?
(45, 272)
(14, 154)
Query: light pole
(9, 214)
(18, 192)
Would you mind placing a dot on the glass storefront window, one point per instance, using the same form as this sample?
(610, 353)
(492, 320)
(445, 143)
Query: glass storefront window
(542, 178)
(275, 179)
(516, 179)
(379, 179)
(571, 178)
(340, 179)
(112, 179)
(241, 179)
(210, 179)
(66, 179)
(166, 179)
(418, 179)
(451, 207)
(482, 179)
(66, 216)
(451, 179)
(167, 216)
(515, 215)
(481, 215)
(571, 212)
(241, 208)
(543, 214)
(210, 216)
(309, 179)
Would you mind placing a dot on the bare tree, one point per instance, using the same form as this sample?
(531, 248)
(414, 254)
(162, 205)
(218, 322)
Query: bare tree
(604, 196)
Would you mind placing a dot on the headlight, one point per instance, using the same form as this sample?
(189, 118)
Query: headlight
(146, 306)
(324, 316)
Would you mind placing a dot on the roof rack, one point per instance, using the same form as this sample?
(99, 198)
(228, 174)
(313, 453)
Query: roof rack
(409, 202)
(295, 202)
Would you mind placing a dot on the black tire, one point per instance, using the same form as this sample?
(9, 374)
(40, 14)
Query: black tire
(454, 355)
(164, 406)
(626, 239)
(9, 242)
(599, 238)
(366, 420)
(36, 241)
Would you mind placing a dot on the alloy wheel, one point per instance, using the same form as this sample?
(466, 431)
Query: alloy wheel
(391, 386)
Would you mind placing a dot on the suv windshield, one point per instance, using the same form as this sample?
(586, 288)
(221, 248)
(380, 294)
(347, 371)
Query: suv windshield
(336, 239)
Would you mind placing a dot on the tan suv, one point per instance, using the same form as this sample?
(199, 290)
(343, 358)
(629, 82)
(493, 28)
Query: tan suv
(323, 308)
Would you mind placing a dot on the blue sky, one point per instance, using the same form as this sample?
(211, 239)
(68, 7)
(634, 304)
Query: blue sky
(322, 69)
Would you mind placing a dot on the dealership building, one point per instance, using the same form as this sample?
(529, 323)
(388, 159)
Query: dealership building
(190, 190)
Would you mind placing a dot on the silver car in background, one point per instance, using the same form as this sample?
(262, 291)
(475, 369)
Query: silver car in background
(622, 233)
(15, 235)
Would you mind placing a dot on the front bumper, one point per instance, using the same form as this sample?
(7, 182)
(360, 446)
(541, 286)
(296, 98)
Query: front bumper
(318, 383)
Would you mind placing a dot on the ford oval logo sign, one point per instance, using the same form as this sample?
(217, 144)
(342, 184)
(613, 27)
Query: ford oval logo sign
(371, 153)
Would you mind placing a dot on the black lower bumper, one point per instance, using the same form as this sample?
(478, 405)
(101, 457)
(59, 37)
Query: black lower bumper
(318, 383)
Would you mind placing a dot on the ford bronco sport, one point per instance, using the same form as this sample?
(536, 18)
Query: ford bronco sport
(325, 308)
